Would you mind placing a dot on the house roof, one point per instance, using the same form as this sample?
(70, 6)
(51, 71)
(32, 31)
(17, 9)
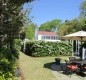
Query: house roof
(46, 33)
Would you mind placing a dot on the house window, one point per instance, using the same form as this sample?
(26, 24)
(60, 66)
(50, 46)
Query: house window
(54, 37)
(49, 37)
(43, 37)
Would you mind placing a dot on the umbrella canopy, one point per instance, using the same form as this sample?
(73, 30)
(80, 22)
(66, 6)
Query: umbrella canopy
(80, 35)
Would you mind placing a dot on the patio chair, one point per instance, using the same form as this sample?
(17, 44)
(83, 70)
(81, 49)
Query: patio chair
(71, 67)
(84, 68)
(72, 58)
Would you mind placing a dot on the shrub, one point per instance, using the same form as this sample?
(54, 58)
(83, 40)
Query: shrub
(7, 62)
(42, 48)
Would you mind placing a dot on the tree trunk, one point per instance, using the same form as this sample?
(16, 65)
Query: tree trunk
(0, 44)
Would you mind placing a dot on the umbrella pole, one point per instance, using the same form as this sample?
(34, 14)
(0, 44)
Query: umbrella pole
(72, 48)
(81, 49)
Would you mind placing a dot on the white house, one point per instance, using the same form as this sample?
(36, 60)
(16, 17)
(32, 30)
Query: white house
(47, 36)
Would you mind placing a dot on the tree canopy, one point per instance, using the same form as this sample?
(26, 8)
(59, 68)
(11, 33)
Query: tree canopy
(28, 31)
(83, 9)
(75, 24)
(11, 19)
(50, 25)
(68, 27)
(11, 22)
(20, 2)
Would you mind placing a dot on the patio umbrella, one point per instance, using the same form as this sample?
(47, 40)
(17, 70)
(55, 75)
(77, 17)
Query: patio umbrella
(80, 35)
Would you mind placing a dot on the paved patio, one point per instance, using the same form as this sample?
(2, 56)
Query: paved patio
(58, 73)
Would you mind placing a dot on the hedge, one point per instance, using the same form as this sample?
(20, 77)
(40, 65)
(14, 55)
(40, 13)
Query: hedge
(42, 48)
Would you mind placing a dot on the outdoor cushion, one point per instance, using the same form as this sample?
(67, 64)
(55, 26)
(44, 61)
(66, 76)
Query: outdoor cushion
(72, 67)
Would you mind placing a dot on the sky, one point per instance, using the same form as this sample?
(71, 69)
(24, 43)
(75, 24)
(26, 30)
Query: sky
(47, 10)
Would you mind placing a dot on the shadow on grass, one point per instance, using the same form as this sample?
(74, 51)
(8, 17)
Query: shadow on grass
(54, 67)
(48, 65)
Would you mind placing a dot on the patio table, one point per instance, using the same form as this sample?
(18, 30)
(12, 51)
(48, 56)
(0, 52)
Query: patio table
(81, 62)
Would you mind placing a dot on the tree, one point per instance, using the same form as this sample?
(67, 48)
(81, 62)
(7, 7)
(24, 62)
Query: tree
(11, 20)
(63, 30)
(29, 31)
(83, 9)
(82, 17)
(50, 25)
(82, 24)
(20, 2)
(73, 26)
(69, 27)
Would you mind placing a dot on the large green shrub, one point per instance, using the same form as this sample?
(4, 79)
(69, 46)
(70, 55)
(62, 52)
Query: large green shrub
(7, 63)
(42, 48)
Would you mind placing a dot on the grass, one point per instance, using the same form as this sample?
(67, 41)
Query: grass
(36, 68)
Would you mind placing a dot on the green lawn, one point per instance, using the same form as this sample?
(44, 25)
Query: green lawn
(36, 68)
